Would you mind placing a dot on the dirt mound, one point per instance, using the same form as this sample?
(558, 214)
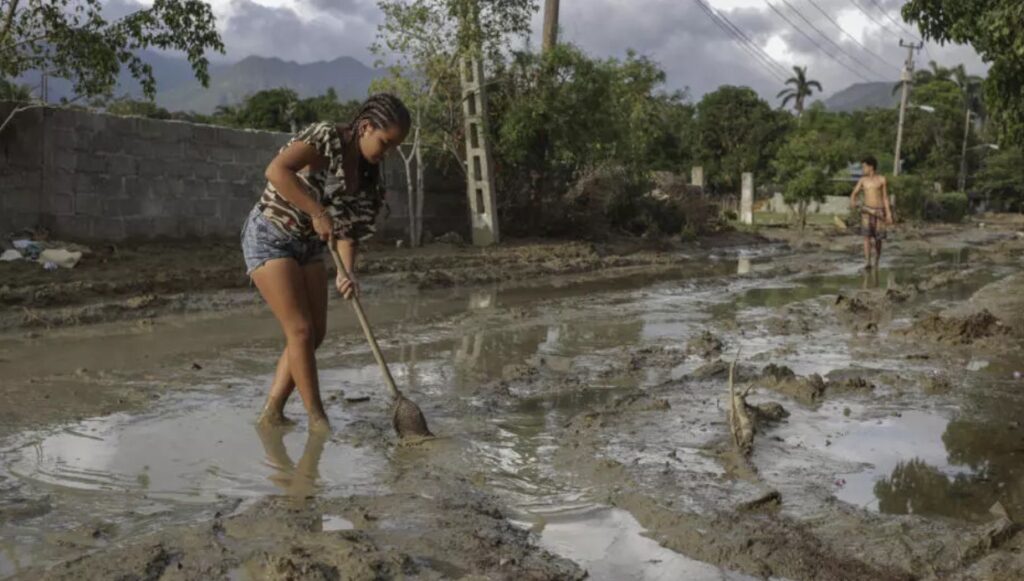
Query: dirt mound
(955, 330)
(705, 346)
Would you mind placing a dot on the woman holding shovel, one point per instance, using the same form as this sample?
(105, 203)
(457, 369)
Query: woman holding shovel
(296, 219)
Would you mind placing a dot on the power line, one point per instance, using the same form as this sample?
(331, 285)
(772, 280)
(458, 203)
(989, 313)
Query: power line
(814, 42)
(832, 42)
(893, 20)
(774, 66)
(887, 27)
(766, 61)
(852, 37)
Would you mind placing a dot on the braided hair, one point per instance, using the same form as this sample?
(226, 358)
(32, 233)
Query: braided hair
(382, 110)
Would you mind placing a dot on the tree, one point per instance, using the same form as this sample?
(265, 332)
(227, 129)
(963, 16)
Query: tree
(1001, 179)
(72, 40)
(801, 89)
(737, 132)
(425, 40)
(128, 107)
(804, 165)
(992, 27)
(14, 92)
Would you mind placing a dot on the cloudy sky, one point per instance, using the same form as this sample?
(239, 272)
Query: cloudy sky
(840, 41)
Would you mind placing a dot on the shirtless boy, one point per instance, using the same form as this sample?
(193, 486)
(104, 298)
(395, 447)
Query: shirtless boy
(875, 214)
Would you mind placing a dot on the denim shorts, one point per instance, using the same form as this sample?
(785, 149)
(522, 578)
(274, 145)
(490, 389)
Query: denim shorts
(262, 240)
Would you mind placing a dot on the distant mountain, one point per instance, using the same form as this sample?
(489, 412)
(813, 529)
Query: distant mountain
(861, 96)
(229, 84)
(178, 90)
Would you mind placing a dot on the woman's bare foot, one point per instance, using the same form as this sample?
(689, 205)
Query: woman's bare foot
(273, 418)
(319, 424)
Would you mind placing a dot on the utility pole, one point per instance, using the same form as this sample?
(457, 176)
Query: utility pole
(962, 181)
(906, 76)
(480, 188)
(550, 24)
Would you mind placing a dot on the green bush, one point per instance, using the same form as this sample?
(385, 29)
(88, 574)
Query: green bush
(909, 194)
(946, 207)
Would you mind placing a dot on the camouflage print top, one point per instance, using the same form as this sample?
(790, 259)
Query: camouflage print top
(354, 214)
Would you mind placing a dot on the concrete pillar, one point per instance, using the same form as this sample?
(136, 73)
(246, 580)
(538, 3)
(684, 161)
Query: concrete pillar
(697, 176)
(479, 178)
(747, 199)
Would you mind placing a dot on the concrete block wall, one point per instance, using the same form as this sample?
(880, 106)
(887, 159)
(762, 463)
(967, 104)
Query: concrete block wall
(91, 176)
(111, 178)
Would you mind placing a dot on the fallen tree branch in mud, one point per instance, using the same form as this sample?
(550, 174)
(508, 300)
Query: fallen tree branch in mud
(741, 424)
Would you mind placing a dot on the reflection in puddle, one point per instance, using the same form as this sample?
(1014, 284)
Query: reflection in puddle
(609, 543)
(887, 445)
(195, 455)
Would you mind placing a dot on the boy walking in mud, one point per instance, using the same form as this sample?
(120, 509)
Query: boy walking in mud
(875, 214)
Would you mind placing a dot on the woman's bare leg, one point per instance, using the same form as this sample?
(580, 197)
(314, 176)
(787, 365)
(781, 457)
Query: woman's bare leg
(282, 284)
(315, 276)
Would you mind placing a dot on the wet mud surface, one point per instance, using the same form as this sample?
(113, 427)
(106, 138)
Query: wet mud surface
(582, 426)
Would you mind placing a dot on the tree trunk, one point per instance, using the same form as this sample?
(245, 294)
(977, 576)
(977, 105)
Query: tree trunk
(419, 197)
(410, 195)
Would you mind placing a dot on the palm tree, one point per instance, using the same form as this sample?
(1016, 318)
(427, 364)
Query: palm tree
(801, 89)
(970, 88)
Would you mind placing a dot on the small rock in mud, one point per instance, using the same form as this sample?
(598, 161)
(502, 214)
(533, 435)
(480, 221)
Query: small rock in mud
(788, 326)
(807, 390)
(959, 330)
(777, 372)
(706, 346)
(770, 411)
(853, 384)
(898, 295)
(937, 384)
(519, 372)
(142, 302)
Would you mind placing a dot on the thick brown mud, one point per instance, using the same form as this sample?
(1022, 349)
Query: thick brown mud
(581, 414)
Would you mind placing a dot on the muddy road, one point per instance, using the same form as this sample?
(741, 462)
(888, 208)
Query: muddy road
(582, 420)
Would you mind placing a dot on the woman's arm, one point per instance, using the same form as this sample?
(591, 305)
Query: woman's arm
(346, 250)
(281, 173)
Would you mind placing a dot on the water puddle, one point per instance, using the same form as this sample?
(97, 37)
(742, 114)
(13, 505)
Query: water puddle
(610, 544)
(198, 452)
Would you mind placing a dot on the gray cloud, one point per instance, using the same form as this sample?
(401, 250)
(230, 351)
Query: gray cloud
(254, 29)
(693, 51)
(698, 54)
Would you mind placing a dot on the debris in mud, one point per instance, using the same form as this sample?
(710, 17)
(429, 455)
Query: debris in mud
(17, 508)
(196, 367)
(660, 357)
(741, 422)
(719, 369)
(452, 238)
(807, 390)
(768, 501)
(958, 330)
(851, 304)
(705, 346)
